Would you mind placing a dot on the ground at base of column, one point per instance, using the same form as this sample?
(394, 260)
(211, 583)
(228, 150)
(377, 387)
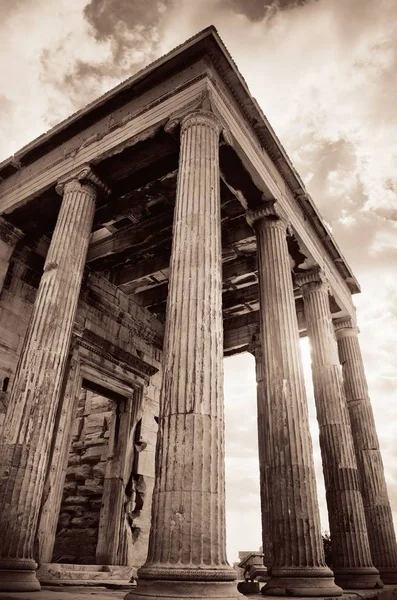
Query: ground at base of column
(388, 575)
(364, 578)
(184, 590)
(309, 587)
(18, 581)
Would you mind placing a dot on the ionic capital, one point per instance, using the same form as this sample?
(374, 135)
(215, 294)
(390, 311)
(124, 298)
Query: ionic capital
(84, 176)
(201, 117)
(9, 233)
(268, 214)
(345, 327)
(312, 280)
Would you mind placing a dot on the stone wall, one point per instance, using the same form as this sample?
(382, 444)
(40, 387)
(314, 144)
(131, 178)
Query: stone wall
(105, 312)
(77, 531)
(16, 303)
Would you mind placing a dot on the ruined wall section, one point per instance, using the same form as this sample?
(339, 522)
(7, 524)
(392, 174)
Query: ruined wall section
(120, 330)
(16, 303)
(130, 334)
(77, 531)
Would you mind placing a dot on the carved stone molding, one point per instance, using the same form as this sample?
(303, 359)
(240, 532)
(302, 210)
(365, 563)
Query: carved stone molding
(102, 347)
(345, 326)
(201, 117)
(269, 211)
(79, 177)
(312, 279)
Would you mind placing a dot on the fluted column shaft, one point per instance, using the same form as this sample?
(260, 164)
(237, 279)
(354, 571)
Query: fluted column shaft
(187, 537)
(382, 537)
(352, 564)
(29, 422)
(263, 450)
(298, 555)
(57, 467)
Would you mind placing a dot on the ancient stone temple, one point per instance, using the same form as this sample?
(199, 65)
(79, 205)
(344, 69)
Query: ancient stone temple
(143, 239)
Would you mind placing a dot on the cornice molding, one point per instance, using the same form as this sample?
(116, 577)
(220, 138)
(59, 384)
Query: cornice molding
(109, 351)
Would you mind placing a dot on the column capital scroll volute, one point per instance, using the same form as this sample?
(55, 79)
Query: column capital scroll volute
(196, 117)
(79, 177)
(268, 213)
(312, 280)
(345, 327)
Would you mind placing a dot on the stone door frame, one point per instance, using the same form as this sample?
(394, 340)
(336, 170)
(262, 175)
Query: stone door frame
(88, 362)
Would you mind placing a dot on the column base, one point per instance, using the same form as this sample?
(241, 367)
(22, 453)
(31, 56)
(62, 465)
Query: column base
(365, 578)
(311, 582)
(388, 574)
(184, 590)
(19, 581)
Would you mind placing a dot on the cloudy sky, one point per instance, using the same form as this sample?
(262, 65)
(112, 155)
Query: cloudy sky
(325, 74)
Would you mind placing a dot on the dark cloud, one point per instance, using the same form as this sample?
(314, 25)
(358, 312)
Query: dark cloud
(129, 29)
(256, 10)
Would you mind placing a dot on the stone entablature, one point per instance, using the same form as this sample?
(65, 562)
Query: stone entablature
(272, 173)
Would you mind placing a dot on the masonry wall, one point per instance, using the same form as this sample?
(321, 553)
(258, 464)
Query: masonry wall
(16, 304)
(77, 531)
(127, 333)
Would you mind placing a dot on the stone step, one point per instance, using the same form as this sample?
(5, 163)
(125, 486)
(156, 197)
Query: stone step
(73, 574)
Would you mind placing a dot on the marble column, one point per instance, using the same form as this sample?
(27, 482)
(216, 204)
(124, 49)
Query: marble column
(57, 468)
(187, 551)
(9, 237)
(299, 567)
(378, 514)
(28, 427)
(352, 564)
(263, 450)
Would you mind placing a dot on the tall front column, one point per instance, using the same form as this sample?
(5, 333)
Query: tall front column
(187, 551)
(263, 450)
(382, 537)
(28, 427)
(352, 564)
(299, 567)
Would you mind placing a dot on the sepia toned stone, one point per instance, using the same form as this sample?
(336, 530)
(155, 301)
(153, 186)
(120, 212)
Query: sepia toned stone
(90, 347)
(298, 565)
(378, 514)
(352, 563)
(187, 547)
(264, 453)
(35, 393)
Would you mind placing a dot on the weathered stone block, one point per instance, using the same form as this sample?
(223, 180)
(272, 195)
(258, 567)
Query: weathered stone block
(64, 520)
(86, 521)
(96, 439)
(80, 500)
(90, 490)
(92, 454)
(69, 488)
(74, 459)
(99, 470)
(73, 509)
(83, 472)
